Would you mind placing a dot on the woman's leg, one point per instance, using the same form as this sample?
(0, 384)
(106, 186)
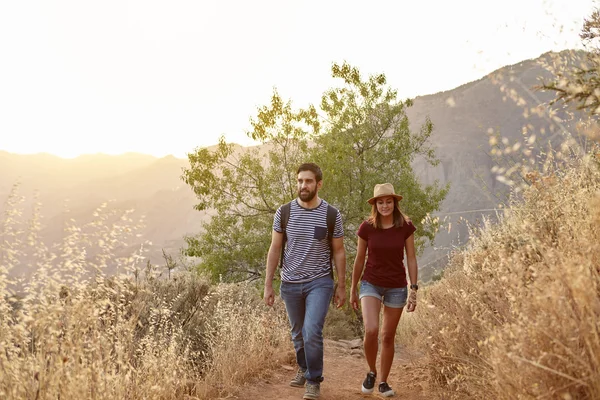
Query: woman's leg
(391, 317)
(370, 311)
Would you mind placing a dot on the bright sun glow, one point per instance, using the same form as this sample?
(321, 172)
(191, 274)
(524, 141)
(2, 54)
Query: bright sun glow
(166, 77)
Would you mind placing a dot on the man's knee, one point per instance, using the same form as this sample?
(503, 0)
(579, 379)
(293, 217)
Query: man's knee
(313, 331)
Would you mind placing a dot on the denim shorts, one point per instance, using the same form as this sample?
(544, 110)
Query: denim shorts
(391, 297)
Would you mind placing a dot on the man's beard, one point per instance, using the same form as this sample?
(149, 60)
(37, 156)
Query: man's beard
(306, 195)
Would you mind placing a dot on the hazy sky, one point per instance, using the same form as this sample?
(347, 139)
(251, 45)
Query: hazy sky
(163, 77)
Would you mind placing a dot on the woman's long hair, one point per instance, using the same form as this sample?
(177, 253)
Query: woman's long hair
(375, 217)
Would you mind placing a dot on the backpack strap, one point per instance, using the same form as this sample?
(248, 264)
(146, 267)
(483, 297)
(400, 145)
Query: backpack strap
(331, 217)
(283, 221)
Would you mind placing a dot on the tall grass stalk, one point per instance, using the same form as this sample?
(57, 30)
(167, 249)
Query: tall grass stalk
(517, 314)
(86, 324)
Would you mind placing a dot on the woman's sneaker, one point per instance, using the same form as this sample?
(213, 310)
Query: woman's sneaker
(369, 383)
(386, 390)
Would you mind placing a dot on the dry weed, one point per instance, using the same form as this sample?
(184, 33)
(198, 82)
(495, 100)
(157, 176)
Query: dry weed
(517, 313)
(89, 325)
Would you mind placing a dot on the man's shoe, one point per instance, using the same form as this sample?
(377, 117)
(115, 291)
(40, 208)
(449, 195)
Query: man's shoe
(386, 390)
(313, 391)
(369, 383)
(299, 380)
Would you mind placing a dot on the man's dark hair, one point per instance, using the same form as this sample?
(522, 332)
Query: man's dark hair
(312, 167)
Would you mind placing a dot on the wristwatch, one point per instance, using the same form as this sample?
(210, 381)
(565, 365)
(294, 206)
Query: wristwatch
(414, 286)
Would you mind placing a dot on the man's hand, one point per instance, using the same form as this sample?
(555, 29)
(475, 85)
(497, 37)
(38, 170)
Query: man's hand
(412, 301)
(269, 295)
(340, 296)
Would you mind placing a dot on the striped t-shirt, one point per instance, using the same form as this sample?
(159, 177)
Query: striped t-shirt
(307, 253)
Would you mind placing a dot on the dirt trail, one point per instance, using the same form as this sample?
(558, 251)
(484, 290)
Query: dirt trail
(344, 371)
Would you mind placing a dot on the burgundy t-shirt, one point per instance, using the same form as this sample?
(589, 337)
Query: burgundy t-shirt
(385, 254)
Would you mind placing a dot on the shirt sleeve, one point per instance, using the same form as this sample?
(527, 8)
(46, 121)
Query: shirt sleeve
(338, 229)
(362, 231)
(277, 221)
(410, 229)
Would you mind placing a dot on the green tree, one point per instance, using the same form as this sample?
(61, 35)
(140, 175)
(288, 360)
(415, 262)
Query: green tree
(243, 187)
(368, 140)
(361, 137)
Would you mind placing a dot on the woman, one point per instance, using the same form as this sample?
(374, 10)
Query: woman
(382, 240)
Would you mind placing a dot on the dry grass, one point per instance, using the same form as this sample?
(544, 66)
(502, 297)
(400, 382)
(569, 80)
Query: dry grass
(76, 334)
(244, 338)
(517, 314)
(409, 332)
(342, 323)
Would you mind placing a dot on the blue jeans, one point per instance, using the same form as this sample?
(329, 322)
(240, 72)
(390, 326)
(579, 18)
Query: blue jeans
(307, 305)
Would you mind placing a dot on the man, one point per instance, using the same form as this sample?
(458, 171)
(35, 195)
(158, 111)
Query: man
(306, 274)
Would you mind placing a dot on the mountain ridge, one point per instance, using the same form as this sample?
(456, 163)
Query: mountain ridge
(462, 118)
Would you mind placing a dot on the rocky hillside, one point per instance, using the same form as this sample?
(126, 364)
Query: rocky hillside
(502, 103)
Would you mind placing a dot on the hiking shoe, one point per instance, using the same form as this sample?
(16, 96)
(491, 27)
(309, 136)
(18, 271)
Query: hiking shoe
(313, 391)
(369, 383)
(299, 380)
(386, 390)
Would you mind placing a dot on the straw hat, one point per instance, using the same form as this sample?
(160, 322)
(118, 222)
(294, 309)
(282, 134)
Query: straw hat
(382, 190)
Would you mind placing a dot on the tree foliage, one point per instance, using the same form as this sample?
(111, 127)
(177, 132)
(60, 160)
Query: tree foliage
(360, 136)
(368, 140)
(243, 188)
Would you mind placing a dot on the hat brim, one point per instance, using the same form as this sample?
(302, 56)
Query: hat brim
(396, 196)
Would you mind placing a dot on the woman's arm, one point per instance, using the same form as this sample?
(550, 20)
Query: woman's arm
(411, 260)
(413, 271)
